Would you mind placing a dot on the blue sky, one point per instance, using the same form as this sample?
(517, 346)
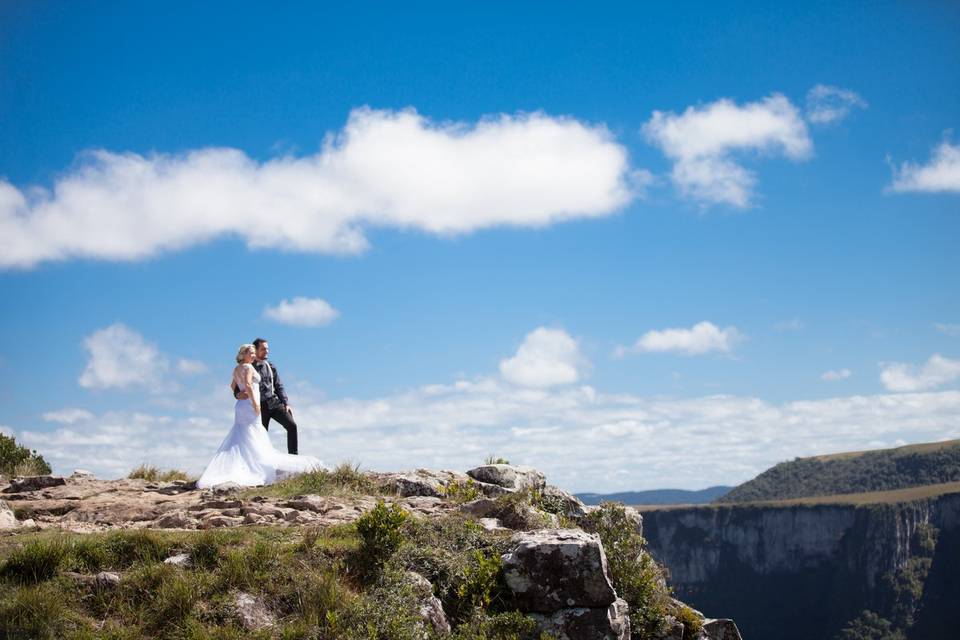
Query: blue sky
(498, 246)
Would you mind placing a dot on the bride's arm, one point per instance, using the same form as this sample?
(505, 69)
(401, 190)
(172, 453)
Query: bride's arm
(248, 382)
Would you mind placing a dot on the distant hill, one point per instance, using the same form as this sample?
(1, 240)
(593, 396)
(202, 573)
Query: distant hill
(657, 496)
(854, 472)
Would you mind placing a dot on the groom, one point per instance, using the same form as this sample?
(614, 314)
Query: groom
(273, 398)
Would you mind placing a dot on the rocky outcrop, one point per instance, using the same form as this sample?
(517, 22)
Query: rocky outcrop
(560, 576)
(509, 476)
(33, 483)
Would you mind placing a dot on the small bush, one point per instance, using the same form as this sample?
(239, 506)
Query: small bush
(491, 459)
(18, 460)
(460, 492)
(637, 578)
(153, 474)
(380, 534)
(519, 510)
(511, 625)
(35, 561)
(482, 580)
(692, 623)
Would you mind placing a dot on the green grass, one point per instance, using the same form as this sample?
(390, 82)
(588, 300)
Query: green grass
(346, 480)
(153, 474)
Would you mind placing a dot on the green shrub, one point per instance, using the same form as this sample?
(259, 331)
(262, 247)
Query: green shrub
(870, 626)
(491, 459)
(520, 511)
(153, 474)
(482, 580)
(692, 623)
(460, 492)
(380, 534)
(511, 625)
(18, 460)
(35, 561)
(636, 576)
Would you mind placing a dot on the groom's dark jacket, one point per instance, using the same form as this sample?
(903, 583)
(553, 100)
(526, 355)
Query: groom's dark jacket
(270, 398)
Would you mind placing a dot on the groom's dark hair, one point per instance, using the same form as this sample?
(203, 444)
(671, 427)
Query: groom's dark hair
(258, 342)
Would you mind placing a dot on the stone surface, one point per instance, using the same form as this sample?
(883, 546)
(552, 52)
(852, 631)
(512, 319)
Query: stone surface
(479, 508)
(252, 613)
(106, 580)
(509, 476)
(421, 482)
(431, 609)
(567, 503)
(721, 629)
(7, 519)
(33, 483)
(552, 569)
(583, 623)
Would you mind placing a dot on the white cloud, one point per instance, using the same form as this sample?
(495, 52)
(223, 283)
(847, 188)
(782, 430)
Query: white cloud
(547, 357)
(826, 104)
(836, 374)
(580, 437)
(794, 324)
(952, 330)
(68, 416)
(936, 372)
(701, 141)
(384, 169)
(120, 357)
(941, 174)
(701, 338)
(190, 367)
(302, 312)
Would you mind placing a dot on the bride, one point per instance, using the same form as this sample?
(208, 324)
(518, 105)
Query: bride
(246, 455)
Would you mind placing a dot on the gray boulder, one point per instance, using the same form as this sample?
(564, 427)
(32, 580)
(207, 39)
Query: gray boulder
(558, 501)
(421, 482)
(7, 519)
(509, 476)
(251, 612)
(552, 569)
(106, 580)
(582, 623)
(431, 609)
(721, 629)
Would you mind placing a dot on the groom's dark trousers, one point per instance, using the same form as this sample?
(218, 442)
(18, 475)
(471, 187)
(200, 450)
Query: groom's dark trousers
(278, 412)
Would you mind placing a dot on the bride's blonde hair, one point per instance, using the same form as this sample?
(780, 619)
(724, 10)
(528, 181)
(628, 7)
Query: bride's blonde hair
(243, 350)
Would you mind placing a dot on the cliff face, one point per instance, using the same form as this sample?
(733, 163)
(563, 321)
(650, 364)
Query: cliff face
(802, 571)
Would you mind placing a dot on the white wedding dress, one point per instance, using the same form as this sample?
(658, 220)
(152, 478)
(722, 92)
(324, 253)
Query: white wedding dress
(246, 456)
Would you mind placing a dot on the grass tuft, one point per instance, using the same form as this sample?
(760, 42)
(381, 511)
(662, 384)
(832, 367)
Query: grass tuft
(345, 480)
(153, 474)
(36, 561)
